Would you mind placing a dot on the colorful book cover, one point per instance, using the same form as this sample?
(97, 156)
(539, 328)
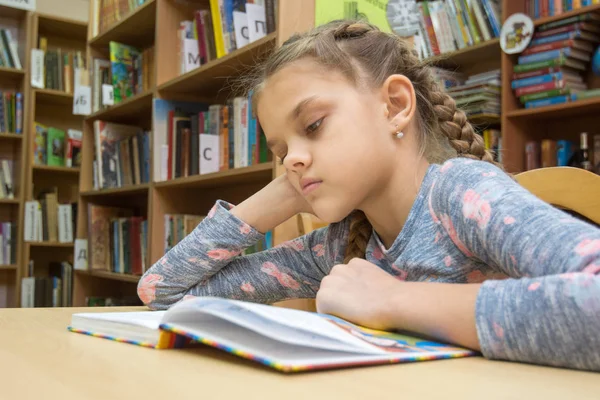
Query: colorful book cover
(547, 102)
(124, 76)
(55, 147)
(39, 145)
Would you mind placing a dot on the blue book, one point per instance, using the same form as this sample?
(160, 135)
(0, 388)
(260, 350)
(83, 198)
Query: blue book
(251, 130)
(553, 55)
(491, 17)
(576, 34)
(547, 102)
(569, 5)
(537, 80)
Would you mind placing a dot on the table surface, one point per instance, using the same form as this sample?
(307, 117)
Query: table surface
(40, 358)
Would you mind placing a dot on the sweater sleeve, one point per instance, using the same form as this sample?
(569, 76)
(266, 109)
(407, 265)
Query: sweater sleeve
(208, 262)
(548, 311)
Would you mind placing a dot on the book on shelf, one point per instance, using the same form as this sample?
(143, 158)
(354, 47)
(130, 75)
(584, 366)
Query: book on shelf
(227, 26)
(11, 112)
(9, 49)
(122, 155)
(450, 25)
(551, 70)
(55, 147)
(550, 8)
(121, 301)
(131, 71)
(281, 338)
(55, 290)
(8, 243)
(117, 240)
(46, 220)
(7, 186)
(106, 13)
(187, 134)
(478, 95)
(178, 226)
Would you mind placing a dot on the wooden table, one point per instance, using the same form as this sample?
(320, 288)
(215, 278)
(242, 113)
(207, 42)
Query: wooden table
(40, 359)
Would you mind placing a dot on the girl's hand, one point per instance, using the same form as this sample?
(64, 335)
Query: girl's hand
(362, 293)
(272, 205)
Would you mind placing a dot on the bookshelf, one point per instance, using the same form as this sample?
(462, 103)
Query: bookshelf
(13, 147)
(51, 108)
(561, 121)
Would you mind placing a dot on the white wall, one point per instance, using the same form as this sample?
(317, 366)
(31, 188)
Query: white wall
(73, 9)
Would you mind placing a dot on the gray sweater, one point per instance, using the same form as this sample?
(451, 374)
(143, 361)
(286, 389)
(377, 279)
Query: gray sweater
(470, 222)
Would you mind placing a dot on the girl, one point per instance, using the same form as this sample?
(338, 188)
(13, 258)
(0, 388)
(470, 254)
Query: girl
(424, 226)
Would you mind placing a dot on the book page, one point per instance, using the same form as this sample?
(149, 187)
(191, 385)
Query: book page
(147, 319)
(280, 323)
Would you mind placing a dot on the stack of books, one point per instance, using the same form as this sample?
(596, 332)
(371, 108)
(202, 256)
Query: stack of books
(550, 70)
(479, 96)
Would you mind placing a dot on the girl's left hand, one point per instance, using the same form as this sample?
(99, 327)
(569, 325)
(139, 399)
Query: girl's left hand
(360, 292)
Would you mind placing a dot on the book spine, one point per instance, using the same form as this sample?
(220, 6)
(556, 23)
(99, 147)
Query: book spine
(544, 95)
(547, 102)
(429, 26)
(585, 94)
(536, 80)
(540, 88)
(491, 17)
(537, 65)
(555, 38)
(546, 55)
(548, 47)
(538, 72)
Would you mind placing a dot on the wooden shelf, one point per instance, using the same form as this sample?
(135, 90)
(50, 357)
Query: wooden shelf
(571, 109)
(126, 109)
(116, 192)
(136, 29)
(11, 136)
(11, 73)
(9, 267)
(64, 27)
(9, 201)
(250, 174)
(582, 10)
(469, 55)
(51, 96)
(210, 77)
(111, 275)
(51, 244)
(47, 168)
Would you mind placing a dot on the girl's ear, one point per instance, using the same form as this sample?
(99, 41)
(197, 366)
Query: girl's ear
(401, 101)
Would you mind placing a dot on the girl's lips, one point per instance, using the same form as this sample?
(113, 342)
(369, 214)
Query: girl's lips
(311, 186)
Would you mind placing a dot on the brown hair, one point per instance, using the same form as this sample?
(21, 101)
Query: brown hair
(354, 47)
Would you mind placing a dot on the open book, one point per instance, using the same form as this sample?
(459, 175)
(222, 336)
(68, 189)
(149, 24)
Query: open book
(285, 339)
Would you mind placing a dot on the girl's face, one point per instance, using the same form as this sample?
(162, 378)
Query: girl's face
(336, 139)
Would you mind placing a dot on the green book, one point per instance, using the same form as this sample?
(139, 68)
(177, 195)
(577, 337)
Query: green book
(544, 95)
(586, 94)
(55, 147)
(557, 62)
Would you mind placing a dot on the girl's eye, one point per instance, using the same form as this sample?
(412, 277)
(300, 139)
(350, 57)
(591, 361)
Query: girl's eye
(314, 126)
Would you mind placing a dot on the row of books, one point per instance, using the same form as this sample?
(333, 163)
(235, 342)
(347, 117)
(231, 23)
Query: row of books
(46, 220)
(178, 226)
(551, 153)
(55, 147)
(101, 301)
(551, 8)
(121, 155)
(7, 187)
(492, 139)
(477, 95)
(8, 246)
(108, 12)
(227, 26)
(118, 240)
(450, 25)
(9, 50)
(550, 70)
(11, 112)
(193, 138)
(58, 67)
(54, 290)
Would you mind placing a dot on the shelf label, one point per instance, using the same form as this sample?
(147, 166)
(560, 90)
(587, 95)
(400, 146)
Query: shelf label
(82, 100)
(22, 4)
(81, 254)
(107, 95)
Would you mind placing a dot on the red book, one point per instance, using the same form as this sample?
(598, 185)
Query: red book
(540, 88)
(559, 45)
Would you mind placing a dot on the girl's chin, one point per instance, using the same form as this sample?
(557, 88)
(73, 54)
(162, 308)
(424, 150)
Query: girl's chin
(331, 212)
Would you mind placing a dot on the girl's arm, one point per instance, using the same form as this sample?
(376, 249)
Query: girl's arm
(208, 263)
(548, 312)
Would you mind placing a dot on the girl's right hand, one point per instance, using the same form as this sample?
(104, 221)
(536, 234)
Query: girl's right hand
(272, 205)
